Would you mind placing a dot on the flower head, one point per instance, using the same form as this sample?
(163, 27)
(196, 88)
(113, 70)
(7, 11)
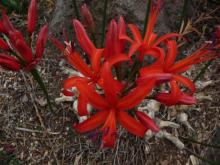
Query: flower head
(17, 49)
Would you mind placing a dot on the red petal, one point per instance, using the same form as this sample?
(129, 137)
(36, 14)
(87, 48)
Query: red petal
(171, 54)
(147, 121)
(135, 96)
(92, 123)
(107, 77)
(83, 39)
(129, 123)
(187, 99)
(91, 95)
(82, 106)
(185, 81)
(7, 26)
(114, 60)
(158, 77)
(111, 45)
(41, 41)
(166, 37)
(134, 47)
(24, 50)
(135, 32)
(9, 62)
(78, 63)
(4, 45)
(96, 60)
(109, 130)
(32, 16)
(72, 82)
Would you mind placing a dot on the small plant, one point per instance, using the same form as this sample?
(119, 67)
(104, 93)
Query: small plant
(16, 47)
(121, 75)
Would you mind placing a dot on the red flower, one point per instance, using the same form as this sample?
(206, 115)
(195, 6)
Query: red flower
(91, 74)
(166, 64)
(150, 39)
(19, 51)
(112, 107)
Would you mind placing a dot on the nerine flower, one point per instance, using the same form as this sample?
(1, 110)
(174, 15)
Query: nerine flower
(113, 101)
(167, 64)
(91, 73)
(17, 51)
(150, 39)
(112, 108)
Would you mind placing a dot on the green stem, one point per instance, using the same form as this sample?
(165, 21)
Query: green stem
(146, 17)
(183, 13)
(76, 9)
(104, 22)
(203, 144)
(202, 158)
(203, 70)
(39, 80)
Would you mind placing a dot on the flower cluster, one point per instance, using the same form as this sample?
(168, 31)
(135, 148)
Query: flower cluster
(16, 52)
(117, 78)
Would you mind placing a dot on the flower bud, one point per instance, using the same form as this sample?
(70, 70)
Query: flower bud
(87, 18)
(32, 17)
(146, 121)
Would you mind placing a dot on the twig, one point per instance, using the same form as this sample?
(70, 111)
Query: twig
(35, 131)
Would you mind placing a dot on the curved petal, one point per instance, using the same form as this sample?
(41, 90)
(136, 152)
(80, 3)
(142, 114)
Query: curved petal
(130, 124)
(133, 48)
(147, 121)
(109, 130)
(166, 37)
(92, 96)
(171, 54)
(187, 99)
(78, 63)
(117, 59)
(158, 77)
(135, 32)
(135, 96)
(83, 39)
(185, 81)
(92, 123)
